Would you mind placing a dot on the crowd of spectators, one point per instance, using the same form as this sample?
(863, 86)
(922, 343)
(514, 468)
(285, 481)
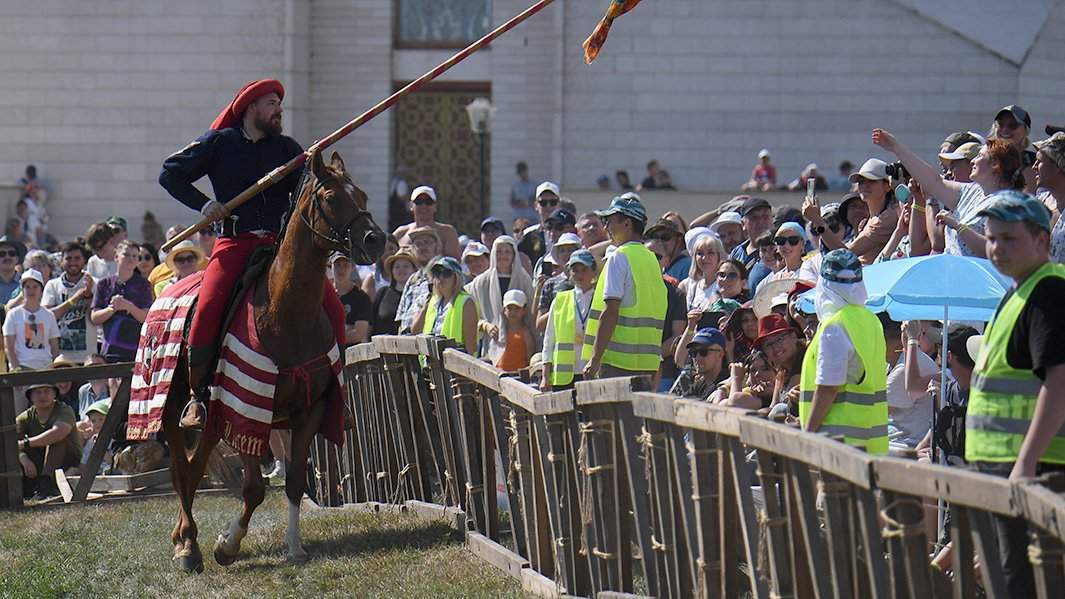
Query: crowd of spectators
(740, 315)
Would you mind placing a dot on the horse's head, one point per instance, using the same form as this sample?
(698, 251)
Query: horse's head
(337, 213)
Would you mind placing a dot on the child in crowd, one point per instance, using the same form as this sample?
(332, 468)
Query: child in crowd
(89, 429)
(520, 343)
(31, 334)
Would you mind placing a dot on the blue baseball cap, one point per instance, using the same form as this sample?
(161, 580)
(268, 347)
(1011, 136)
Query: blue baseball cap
(708, 336)
(627, 204)
(792, 227)
(445, 263)
(582, 257)
(1013, 206)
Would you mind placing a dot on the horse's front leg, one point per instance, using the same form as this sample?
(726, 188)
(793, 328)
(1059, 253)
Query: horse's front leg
(304, 427)
(253, 490)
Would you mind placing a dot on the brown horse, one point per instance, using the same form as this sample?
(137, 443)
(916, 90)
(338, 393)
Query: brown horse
(330, 215)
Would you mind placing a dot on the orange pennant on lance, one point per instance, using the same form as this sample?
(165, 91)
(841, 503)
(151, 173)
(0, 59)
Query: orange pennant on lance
(230, 115)
(595, 41)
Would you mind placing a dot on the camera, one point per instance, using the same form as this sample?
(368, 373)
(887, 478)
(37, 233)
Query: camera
(896, 170)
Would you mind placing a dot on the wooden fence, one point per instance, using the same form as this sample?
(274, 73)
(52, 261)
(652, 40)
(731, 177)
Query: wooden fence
(616, 491)
(10, 471)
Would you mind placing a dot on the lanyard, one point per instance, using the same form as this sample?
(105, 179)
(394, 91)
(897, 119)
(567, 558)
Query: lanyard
(583, 317)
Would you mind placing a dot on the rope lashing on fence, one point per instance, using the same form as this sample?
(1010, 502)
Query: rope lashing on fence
(603, 554)
(586, 430)
(1042, 556)
(400, 479)
(658, 545)
(648, 443)
(896, 529)
(692, 451)
(516, 437)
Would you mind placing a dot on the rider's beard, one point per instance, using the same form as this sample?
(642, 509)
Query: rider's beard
(269, 126)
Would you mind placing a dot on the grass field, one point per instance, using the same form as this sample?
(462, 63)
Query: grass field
(123, 549)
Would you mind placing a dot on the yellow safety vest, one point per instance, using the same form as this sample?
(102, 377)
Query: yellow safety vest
(1002, 398)
(860, 411)
(452, 328)
(637, 341)
(564, 321)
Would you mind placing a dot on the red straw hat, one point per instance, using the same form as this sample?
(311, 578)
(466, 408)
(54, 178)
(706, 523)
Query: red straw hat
(230, 115)
(770, 325)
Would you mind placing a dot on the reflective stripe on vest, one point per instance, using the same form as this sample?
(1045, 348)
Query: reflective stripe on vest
(859, 412)
(1002, 399)
(564, 321)
(636, 343)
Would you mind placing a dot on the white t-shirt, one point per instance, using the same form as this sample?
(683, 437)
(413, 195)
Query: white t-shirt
(617, 279)
(32, 331)
(696, 296)
(77, 334)
(832, 370)
(100, 269)
(910, 412)
(971, 202)
(811, 268)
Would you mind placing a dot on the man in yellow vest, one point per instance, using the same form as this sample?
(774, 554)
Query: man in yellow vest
(1013, 425)
(623, 336)
(844, 372)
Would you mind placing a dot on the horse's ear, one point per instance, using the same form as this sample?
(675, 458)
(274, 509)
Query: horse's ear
(317, 165)
(337, 163)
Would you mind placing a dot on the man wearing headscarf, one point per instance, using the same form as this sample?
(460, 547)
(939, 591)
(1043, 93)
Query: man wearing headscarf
(844, 372)
(243, 144)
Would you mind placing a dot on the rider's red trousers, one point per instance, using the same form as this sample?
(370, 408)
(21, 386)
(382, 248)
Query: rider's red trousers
(228, 261)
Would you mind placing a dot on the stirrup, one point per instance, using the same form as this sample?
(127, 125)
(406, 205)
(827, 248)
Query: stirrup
(194, 416)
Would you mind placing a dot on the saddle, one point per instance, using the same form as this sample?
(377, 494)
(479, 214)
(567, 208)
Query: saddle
(194, 414)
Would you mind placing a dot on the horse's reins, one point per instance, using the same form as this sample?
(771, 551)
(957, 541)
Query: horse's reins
(341, 239)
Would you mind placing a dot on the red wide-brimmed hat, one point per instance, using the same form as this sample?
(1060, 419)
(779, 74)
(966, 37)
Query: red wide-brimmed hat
(770, 325)
(230, 115)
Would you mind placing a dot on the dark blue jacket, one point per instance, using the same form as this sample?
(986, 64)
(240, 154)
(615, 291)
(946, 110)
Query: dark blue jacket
(233, 163)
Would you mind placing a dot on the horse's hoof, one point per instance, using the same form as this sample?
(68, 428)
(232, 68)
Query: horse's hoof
(222, 558)
(190, 563)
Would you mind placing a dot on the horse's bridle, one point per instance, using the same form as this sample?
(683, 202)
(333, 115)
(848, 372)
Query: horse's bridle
(340, 239)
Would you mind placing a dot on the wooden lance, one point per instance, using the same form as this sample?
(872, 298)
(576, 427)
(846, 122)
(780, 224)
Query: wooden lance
(282, 171)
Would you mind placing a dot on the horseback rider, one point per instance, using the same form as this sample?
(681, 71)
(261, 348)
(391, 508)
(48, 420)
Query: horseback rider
(243, 144)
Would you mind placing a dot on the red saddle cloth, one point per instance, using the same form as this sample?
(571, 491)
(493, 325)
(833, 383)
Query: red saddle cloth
(241, 408)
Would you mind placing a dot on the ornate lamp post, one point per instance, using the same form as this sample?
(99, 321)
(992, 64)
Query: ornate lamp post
(480, 112)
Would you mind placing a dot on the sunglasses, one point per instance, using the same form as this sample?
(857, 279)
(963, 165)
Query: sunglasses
(728, 276)
(145, 257)
(702, 352)
(185, 259)
(782, 241)
(423, 202)
(548, 202)
(9, 254)
(442, 273)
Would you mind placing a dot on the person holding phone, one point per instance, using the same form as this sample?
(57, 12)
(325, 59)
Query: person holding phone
(874, 188)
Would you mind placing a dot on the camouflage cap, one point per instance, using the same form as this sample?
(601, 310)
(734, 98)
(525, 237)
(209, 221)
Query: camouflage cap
(1014, 206)
(841, 266)
(1053, 148)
